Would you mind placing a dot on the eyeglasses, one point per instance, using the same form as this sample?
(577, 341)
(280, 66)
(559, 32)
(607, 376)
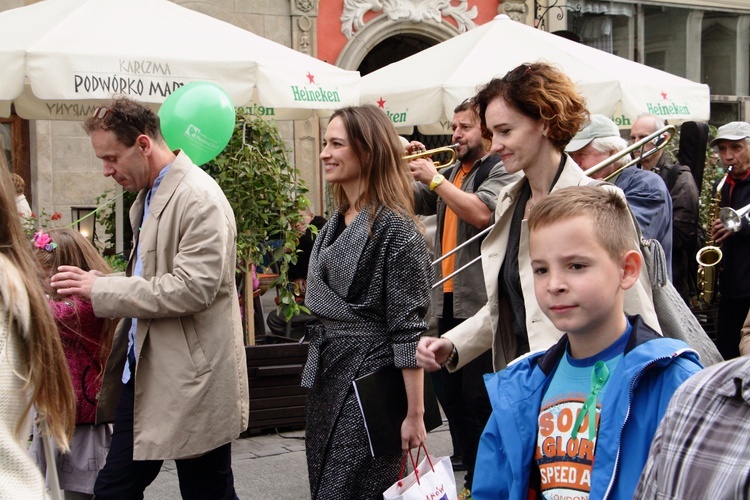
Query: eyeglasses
(117, 118)
(517, 73)
(100, 112)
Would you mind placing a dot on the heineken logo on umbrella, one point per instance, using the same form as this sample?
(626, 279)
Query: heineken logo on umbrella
(320, 94)
(665, 107)
(394, 117)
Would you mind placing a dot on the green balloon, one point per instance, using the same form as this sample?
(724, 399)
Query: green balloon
(198, 118)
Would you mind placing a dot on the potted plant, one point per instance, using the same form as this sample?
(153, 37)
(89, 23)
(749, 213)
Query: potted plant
(267, 196)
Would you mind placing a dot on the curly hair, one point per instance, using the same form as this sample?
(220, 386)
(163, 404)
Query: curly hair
(541, 92)
(18, 183)
(126, 119)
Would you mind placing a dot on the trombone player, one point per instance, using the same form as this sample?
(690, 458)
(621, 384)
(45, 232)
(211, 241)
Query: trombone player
(645, 191)
(464, 197)
(733, 145)
(684, 193)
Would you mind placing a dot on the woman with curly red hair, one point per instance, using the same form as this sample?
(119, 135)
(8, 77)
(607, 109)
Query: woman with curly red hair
(530, 114)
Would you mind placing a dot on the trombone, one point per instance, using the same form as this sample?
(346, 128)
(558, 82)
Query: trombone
(451, 150)
(661, 143)
(732, 219)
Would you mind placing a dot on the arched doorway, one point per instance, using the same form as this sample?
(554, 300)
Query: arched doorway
(393, 49)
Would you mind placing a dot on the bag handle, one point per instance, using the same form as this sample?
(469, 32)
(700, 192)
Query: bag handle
(414, 463)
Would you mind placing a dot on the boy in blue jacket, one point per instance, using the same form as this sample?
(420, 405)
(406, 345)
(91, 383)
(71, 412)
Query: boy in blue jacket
(576, 421)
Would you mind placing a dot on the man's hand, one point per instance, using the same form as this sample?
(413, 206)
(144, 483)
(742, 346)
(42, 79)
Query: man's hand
(432, 352)
(71, 280)
(423, 170)
(719, 232)
(414, 147)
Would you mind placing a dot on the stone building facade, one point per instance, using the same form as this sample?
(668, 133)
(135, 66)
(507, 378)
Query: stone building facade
(703, 40)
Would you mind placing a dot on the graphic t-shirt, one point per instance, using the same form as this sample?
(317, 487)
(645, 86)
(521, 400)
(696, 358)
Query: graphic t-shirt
(564, 454)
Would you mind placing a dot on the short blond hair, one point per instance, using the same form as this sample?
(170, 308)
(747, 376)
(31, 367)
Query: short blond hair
(18, 183)
(607, 210)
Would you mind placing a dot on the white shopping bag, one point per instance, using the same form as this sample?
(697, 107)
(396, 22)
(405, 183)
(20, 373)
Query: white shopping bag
(432, 480)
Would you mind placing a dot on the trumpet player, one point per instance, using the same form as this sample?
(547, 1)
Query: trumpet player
(464, 197)
(732, 142)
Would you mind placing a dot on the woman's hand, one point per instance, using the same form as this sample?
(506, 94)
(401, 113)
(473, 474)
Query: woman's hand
(413, 432)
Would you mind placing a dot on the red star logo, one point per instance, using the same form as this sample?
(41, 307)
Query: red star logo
(381, 103)
(310, 77)
(663, 95)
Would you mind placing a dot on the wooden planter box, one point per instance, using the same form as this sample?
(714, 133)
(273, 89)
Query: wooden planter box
(274, 372)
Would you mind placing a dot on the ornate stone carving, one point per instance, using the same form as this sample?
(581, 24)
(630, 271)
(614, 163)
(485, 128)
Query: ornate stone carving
(515, 9)
(304, 5)
(302, 34)
(416, 11)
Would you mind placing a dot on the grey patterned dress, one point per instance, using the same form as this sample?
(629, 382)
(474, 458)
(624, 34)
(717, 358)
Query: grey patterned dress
(370, 289)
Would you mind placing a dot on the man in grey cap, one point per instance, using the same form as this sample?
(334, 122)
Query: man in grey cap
(645, 191)
(732, 142)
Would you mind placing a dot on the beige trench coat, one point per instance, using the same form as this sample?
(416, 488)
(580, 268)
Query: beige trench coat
(191, 392)
(491, 326)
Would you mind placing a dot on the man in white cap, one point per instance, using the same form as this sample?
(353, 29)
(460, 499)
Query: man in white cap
(645, 191)
(733, 145)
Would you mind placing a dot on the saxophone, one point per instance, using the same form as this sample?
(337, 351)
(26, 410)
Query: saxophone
(710, 255)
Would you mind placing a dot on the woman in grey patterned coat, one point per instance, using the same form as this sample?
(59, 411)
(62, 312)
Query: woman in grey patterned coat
(368, 283)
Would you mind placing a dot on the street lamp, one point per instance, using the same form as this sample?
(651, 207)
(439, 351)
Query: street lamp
(84, 221)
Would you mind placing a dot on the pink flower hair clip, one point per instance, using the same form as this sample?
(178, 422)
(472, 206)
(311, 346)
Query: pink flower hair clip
(44, 241)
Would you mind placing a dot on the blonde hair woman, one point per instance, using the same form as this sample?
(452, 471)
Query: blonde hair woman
(33, 370)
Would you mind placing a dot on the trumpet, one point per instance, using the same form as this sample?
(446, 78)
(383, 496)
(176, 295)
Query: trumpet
(732, 219)
(661, 143)
(451, 150)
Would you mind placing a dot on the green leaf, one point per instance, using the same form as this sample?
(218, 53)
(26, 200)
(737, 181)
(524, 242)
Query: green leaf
(267, 195)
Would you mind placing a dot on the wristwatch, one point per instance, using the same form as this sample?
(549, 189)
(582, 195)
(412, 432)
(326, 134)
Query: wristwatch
(452, 358)
(436, 181)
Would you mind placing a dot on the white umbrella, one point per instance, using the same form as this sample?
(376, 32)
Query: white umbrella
(62, 57)
(425, 88)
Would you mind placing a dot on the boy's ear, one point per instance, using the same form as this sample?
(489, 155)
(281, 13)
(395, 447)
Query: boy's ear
(631, 264)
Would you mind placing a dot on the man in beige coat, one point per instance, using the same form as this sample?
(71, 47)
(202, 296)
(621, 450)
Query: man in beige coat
(176, 380)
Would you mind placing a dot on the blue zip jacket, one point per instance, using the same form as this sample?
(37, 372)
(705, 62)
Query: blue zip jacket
(635, 401)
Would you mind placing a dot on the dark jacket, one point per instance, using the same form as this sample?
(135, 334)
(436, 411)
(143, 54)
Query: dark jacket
(681, 184)
(734, 277)
(651, 204)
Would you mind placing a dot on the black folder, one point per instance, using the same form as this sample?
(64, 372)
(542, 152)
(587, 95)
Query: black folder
(382, 400)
